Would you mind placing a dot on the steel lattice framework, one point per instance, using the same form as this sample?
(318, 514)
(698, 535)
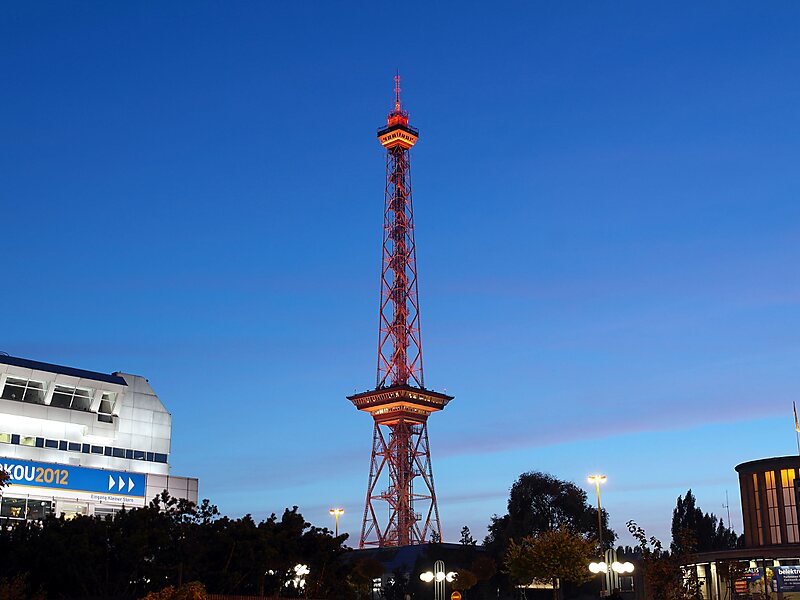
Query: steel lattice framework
(400, 404)
(399, 341)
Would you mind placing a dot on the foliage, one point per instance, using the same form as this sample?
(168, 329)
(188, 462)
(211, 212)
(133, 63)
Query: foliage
(397, 587)
(364, 571)
(16, 588)
(665, 579)
(708, 532)
(549, 557)
(188, 591)
(483, 567)
(4, 478)
(466, 537)
(171, 542)
(538, 503)
(464, 580)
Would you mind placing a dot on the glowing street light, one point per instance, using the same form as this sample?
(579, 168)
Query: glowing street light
(337, 512)
(429, 576)
(617, 567)
(438, 576)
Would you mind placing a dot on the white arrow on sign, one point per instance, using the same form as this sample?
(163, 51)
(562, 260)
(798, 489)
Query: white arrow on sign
(130, 484)
(111, 482)
(121, 484)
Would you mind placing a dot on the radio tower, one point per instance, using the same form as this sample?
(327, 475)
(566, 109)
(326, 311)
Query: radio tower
(399, 404)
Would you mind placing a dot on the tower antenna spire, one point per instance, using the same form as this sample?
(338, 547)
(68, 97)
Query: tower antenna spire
(400, 404)
(397, 92)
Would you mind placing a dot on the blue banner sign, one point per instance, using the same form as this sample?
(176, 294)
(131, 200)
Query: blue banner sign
(100, 484)
(788, 578)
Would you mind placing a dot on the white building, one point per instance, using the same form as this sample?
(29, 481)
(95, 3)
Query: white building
(79, 442)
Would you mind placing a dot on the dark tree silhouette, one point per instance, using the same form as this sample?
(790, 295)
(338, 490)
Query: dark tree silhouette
(538, 503)
(705, 529)
(170, 543)
(466, 537)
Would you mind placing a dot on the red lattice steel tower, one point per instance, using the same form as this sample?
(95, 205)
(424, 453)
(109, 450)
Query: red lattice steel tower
(399, 404)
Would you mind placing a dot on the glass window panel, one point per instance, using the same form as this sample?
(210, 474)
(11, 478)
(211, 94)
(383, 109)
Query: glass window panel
(62, 445)
(70, 511)
(97, 449)
(790, 505)
(773, 514)
(51, 443)
(39, 509)
(5, 438)
(105, 418)
(73, 447)
(14, 508)
(61, 400)
(35, 392)
(13, 392)
(16, 381)
(81, 403)
(28, 440)
(84, 393)
(757, 500)
(105, 407)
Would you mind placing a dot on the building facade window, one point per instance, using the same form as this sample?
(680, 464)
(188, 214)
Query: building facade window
(22, 508)
(757, 503)
(790, 505)
(70, 397)
(13, 508)
(106, 411)
(773, 512)
(24, 390)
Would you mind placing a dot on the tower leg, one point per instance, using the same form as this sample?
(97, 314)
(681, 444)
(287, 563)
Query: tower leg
(377, 461)
(405, 458)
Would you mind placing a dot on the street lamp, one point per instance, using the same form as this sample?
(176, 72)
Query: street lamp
(597, 480)
(336, 512)
(602, 568)
(439, 577)
(617, 567)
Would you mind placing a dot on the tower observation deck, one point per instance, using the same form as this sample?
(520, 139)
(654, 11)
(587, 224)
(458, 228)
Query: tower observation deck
(399, 404)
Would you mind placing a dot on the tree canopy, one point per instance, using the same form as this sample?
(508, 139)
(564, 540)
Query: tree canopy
(705, 530)
(550, 557)
(539, 502)
(170, 543)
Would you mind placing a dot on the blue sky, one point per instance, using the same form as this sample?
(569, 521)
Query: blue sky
(607, 227)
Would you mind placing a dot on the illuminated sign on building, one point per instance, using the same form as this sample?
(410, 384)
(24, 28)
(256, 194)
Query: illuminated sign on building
(69, 481)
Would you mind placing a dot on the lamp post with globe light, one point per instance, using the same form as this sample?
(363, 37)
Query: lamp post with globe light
(597, 480)
(602, 568)
(438, 577)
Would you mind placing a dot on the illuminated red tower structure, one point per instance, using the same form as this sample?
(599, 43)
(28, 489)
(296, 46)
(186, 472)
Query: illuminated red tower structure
(399, 404)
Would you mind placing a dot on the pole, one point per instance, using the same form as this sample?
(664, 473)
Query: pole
(600, 531)
(337, 523)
